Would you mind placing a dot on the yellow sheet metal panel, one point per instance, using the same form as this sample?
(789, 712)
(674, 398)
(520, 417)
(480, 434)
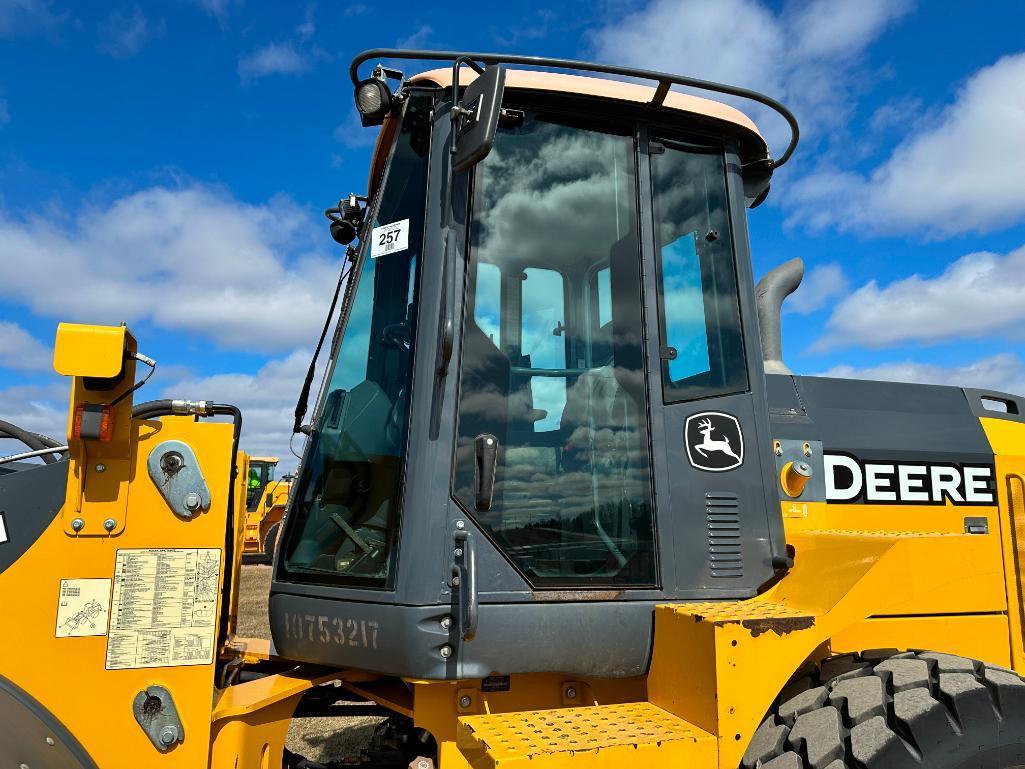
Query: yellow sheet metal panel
(1008, 441)
(593, 737)
(92, 351)
(979, 588)
(976, 636)
(720, 666)
(68, 674)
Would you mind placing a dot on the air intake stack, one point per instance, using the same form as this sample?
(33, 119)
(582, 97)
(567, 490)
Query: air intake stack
(775, 286)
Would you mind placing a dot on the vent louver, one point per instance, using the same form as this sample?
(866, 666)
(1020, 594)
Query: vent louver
(722, 511)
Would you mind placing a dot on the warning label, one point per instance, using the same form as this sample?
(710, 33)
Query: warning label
(164, 610)
(83, 607)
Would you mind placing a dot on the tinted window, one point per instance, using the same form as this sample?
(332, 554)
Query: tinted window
(698, 305)
(343, 523)
(561, 385)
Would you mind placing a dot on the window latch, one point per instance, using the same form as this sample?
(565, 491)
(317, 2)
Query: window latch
(667, 353)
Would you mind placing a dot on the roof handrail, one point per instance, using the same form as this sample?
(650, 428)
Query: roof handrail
(663, 79)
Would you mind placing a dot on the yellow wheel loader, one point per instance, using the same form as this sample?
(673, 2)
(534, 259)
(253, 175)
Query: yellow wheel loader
(561, 503)
(266, 499)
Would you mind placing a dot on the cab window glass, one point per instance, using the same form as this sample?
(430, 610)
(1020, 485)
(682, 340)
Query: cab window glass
(702, 345)
(344, 521)
(561, 387)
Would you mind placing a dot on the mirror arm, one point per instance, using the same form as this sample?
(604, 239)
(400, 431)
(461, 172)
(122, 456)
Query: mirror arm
(458, 112)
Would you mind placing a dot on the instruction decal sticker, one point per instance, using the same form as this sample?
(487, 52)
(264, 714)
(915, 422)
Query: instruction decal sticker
(83, 608)
(389, 238)
(164, 608)
(3, 529)
(714, 441)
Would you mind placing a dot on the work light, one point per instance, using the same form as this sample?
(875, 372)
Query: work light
(373, 98)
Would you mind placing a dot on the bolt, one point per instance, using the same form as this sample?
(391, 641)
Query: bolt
(100, 467)
(457, 552)
(168, 736)
(460, 525)
(807, 449)
(778, 449)
(454, 582)
(78, 524)
(571, 693)
(423, 763)
(50, 742)
(23, 766)
(465, 701)
(446, 651)
(110, 524)
(192, 501)
(171, 462)
(446, 623)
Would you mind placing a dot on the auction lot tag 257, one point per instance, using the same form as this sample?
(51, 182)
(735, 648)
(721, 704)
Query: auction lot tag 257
(389, 238)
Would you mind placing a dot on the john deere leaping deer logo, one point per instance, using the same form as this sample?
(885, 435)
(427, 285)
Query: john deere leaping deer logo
(714, 441)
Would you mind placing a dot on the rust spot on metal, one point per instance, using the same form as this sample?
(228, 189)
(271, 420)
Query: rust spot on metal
(781, 626)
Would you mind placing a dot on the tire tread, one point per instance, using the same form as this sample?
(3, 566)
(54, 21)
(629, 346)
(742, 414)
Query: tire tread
(885, 708)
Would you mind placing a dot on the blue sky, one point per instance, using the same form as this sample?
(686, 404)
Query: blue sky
(167, 164)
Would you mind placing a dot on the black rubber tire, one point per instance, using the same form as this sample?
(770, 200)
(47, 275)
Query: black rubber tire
(895, 710)
(270, 541)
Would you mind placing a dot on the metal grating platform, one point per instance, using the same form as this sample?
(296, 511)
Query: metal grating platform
(734, 611)
(586, 735)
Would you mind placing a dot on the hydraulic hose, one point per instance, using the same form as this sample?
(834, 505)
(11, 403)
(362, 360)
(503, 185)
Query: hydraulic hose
(229, 531)
(168, 407)
(34, 441)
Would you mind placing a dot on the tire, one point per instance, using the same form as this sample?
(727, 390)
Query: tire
(887, 709)
(270, 541)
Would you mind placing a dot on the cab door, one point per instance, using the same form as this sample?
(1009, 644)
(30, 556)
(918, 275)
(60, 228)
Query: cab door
(706, 376)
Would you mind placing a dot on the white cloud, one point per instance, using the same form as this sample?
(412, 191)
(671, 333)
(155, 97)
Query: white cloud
(218, 8)
(417, 39)
(352, 134)
(267, 400)
(123, 35)
(961, 174)
(822, 284)
(37, 408)
(308, 26)
(26, 18)
(188, 259)
(21, 351)
(1004, 372)
(5, 113)
(805, 55)
(978, 295)
(272, 59)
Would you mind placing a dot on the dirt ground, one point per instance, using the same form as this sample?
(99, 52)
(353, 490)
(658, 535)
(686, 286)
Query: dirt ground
(320, 739)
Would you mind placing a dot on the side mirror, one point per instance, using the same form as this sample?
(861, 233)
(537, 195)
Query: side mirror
(476, 118)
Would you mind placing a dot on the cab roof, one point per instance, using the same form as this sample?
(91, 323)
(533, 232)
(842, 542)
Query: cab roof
(683, 104)
(605, 88)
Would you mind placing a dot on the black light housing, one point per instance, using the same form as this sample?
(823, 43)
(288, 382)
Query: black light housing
(346, 219)
(373, 97)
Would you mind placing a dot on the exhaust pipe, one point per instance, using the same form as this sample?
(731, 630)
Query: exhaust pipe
(775, 286)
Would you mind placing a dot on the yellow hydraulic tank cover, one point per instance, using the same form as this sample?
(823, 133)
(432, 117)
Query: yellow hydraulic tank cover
(86, 350)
